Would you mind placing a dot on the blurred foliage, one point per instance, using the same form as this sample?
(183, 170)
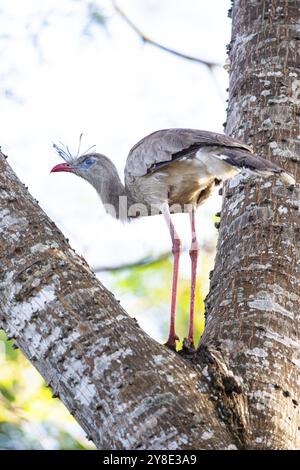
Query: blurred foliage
(95, 14)
(29, 417)
(36, 20)
(95, 17)
(149, 290)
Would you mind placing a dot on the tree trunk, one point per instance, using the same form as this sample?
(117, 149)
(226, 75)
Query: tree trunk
(241, 388)
(254, 301)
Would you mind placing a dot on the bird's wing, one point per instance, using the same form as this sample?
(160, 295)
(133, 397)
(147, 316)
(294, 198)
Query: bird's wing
(165, 146)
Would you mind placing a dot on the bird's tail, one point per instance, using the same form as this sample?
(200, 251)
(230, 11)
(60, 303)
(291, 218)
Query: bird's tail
(246, 160)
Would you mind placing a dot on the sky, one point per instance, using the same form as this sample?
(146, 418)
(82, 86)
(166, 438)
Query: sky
(64, 76)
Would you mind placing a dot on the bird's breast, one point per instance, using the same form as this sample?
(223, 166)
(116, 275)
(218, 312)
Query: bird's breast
(189, 180)
(178, 183)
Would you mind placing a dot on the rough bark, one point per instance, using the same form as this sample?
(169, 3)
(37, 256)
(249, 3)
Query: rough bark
(126, 390)
(254, 300)
(241, 388)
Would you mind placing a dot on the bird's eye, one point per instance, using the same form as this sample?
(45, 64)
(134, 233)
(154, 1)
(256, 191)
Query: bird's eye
(88, 162)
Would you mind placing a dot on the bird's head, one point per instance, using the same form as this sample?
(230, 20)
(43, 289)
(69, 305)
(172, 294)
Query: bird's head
(91, 166)
(84, 165)
(99, 171)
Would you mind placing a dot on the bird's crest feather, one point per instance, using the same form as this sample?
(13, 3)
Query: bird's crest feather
(65, 153)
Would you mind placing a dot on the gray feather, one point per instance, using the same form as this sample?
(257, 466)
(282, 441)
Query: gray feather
(164, 146)
(245, 160)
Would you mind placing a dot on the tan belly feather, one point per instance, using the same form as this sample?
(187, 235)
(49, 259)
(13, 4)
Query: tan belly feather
(186, 181)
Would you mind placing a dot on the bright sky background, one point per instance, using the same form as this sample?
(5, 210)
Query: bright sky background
(115, 90)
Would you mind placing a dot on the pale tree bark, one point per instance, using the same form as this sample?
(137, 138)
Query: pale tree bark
(253, 307)
(241, 388)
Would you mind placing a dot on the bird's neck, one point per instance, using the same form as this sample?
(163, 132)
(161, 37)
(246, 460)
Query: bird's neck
(114, 196)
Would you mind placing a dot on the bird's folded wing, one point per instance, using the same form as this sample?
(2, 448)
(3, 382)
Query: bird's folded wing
(240, 158)
(162, 147)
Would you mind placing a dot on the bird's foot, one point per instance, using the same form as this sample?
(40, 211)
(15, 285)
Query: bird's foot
(188, 347)
(171, 343)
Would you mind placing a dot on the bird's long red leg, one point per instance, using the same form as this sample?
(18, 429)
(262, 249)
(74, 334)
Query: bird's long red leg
(194, 253)
(176, 248)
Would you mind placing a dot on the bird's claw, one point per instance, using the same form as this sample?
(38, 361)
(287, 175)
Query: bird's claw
(171, 343)
(188, 345)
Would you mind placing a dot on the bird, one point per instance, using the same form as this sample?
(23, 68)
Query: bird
(169, 170)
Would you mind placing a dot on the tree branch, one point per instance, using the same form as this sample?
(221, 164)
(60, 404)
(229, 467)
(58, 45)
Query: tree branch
(147, 39)
(208, 248)
(148, 261)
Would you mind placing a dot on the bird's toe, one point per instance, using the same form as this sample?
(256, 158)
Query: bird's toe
(171, 343)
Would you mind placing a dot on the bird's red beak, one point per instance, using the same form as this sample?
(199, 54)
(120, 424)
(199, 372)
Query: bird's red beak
(62, 167)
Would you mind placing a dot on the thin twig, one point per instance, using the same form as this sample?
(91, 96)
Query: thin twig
(148, 261)
(208, 248)
(147, 39)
